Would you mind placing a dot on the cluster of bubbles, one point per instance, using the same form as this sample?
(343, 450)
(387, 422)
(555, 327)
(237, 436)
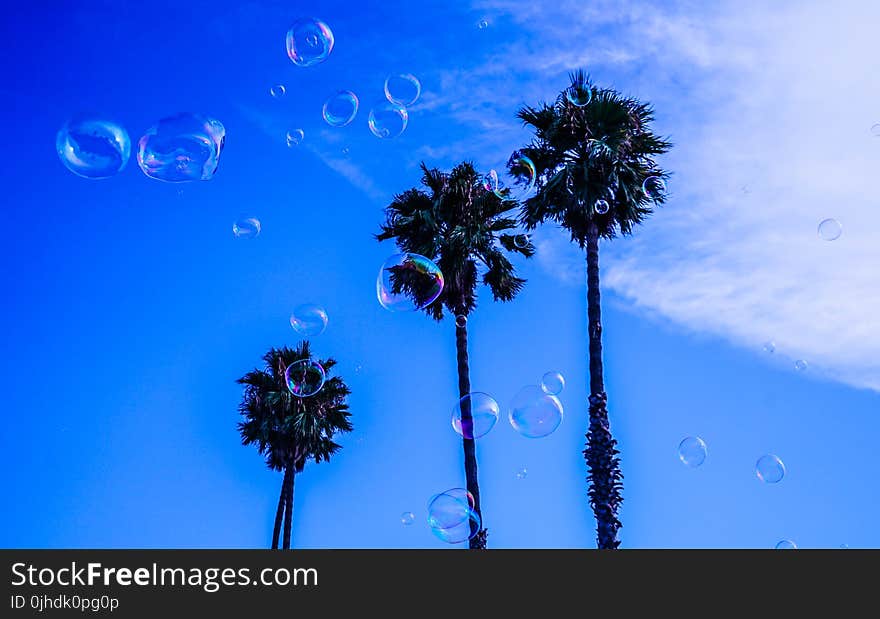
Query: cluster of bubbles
(451, 516)
(93, 148)
(483, 411)
(246, 228)
(309, 42)
(305, 378)
(770, 469)
(692, 451)
(408, 282)
(829, 230)
(534, 413)
(181, 148)
(309, 319)
(340, 108)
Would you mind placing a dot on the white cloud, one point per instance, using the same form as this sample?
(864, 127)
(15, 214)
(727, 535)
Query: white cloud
(776, 98)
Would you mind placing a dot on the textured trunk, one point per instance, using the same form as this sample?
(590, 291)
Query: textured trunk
(279, 513)
(288, 501)
(478, 538)
(605, 479)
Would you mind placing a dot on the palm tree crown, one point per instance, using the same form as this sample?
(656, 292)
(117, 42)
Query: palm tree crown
(286, 429)
(459, 224)
(603, 150)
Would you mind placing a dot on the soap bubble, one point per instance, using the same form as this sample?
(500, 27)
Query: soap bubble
(388, 120)
(552, 383)
(451, 516)
(181, 148)
(305, 378)
(402, 89)
(460, 320)
(295, 137)
(483, 24)
(484, 414)
(786, 544)
(654, 187)
(93, 148)
(309, 319)
(533, 413)
(523, 169)
(800, 365)
(829, 230)
(246, 228)
(692, 451)
(770, 347)
(492, 183)
(408, 282)
(309, 42)
(770, 469)
(277, 91)
(875, 130)
(340, 108)
(578, 94)
(407, 518)
(601, 207)
(522, 473)
(521, 241)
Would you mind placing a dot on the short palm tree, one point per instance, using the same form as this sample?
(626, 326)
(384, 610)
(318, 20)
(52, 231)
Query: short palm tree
(461, 225)
(594, 150)
(288, 430)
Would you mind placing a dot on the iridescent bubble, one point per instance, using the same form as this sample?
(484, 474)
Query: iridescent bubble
(579, 94)
(770, 469)
(484, 412)
(295, 137)
(654, 187)
(461, 320)
(800, 365)
(93, 148)
(305, 378)
(402, 89)
(552, 383)
(309, 42)
(533, 413)
(340, 108)
(769, 347)
(182, 148)
(309, 319)
(407, 518)
(523, 169)
(388, 120)
(521, 241)
(692, 451)
(522, 473)
(786, 544)
(451, 516)
(246, 228)
(277, 91)
(408, 282)
(829, 230)
(492, 182)
(601, 207)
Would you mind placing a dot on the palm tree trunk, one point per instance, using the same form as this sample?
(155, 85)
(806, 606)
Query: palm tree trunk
(279, 513)
(605, 478)
(478, 538)
(288, 500)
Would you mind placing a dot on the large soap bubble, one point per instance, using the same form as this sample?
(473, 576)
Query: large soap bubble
(408, 282)
(451, 516)
(180, 148)
(533, 413)
(309, 42)
(484, 411)
(93, 148)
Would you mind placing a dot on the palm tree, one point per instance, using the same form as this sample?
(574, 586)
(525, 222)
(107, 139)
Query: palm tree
(289, 430)
(594, 150)
(461, 225)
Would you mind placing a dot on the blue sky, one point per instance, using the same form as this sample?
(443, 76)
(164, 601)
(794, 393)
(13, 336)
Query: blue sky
(132, 309)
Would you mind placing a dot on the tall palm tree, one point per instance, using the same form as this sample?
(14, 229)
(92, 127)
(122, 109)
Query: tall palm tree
(593, 145)
(457, 222)
(288, 430)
